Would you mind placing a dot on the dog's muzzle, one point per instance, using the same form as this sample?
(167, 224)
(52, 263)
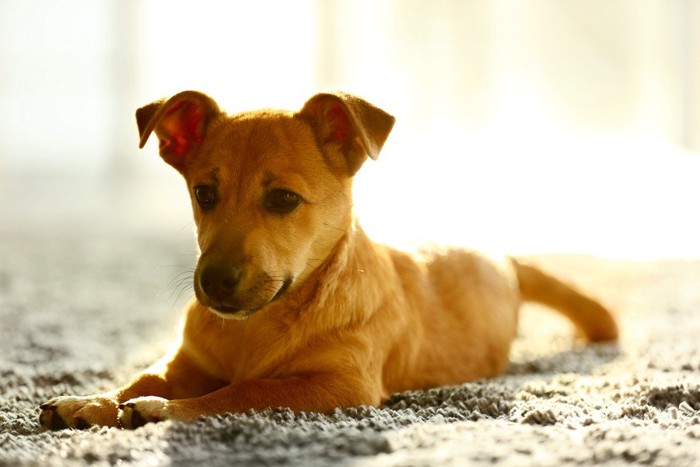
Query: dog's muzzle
(218, 286)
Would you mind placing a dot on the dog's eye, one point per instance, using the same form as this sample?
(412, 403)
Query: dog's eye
(206, 196)
(281, 201)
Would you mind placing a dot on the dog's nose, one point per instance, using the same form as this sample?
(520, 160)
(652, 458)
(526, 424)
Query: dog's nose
(219, 280)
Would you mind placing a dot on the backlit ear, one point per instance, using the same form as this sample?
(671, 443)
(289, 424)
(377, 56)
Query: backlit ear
(349, 124)
(180, 124)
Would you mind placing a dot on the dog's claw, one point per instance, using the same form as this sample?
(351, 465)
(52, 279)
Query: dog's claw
(81, 424)
(49, 418)
(137, 420)
(129, 417)
(140, 411)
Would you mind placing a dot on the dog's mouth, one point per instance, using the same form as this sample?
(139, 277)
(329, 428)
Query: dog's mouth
(241, 313)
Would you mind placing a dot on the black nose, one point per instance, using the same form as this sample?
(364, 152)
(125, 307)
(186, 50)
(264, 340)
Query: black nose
(219, 280)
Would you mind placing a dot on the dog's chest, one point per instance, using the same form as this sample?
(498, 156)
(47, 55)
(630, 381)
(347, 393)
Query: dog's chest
(231, 350)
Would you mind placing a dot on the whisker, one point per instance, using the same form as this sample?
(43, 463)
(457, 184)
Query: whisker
(183, 288)
(181, 276)
(178, 285)
(187, 225)
(177, 280)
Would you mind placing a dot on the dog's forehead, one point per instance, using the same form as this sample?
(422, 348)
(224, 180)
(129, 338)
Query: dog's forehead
(258, 134)
(255, 145)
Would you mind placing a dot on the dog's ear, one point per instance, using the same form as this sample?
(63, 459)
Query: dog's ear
(355, 127)
(180, 124)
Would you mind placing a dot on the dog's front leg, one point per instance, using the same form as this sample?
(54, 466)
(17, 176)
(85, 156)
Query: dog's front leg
(314, 393)
(174, 375)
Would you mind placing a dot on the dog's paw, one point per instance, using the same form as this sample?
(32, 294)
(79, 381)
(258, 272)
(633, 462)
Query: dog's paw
(78, 412)
(141, 410)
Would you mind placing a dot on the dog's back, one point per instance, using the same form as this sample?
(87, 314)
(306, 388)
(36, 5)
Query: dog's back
(463, 314)
(460, 317)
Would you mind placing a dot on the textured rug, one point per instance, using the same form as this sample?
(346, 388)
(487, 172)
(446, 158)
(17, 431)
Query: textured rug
(80, 312)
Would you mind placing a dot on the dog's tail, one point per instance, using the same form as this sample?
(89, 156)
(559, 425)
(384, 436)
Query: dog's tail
(590, 317)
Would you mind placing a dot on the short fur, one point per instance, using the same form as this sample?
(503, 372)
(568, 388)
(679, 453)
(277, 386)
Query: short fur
(295, 306)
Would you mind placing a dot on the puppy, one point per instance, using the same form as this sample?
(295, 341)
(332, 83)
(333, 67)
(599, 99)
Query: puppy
(295, 306)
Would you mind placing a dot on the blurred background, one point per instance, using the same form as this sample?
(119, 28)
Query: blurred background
(530, 127)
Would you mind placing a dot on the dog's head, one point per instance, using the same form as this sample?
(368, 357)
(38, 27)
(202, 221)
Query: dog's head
(271, 190)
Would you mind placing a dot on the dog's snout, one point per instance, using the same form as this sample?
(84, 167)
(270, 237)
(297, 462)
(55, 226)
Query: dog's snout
(219, 280)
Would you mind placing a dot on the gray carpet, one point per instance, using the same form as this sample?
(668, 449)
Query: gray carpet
(79, 312)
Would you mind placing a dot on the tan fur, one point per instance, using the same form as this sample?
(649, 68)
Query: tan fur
(322, 316)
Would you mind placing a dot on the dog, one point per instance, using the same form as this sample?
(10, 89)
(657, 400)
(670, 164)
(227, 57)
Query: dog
(294, 305)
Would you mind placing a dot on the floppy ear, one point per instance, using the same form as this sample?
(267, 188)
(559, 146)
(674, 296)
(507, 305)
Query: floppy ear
(180, 124)
(355, 127)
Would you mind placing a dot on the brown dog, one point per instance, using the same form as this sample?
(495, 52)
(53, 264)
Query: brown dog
(295, 307)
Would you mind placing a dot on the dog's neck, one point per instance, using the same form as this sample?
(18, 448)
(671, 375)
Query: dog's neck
(341, 291)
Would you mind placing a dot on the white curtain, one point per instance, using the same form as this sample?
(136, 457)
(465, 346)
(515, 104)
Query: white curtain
(545, 114)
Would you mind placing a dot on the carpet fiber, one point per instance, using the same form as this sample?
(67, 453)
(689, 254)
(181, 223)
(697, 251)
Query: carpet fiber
(80, 313)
